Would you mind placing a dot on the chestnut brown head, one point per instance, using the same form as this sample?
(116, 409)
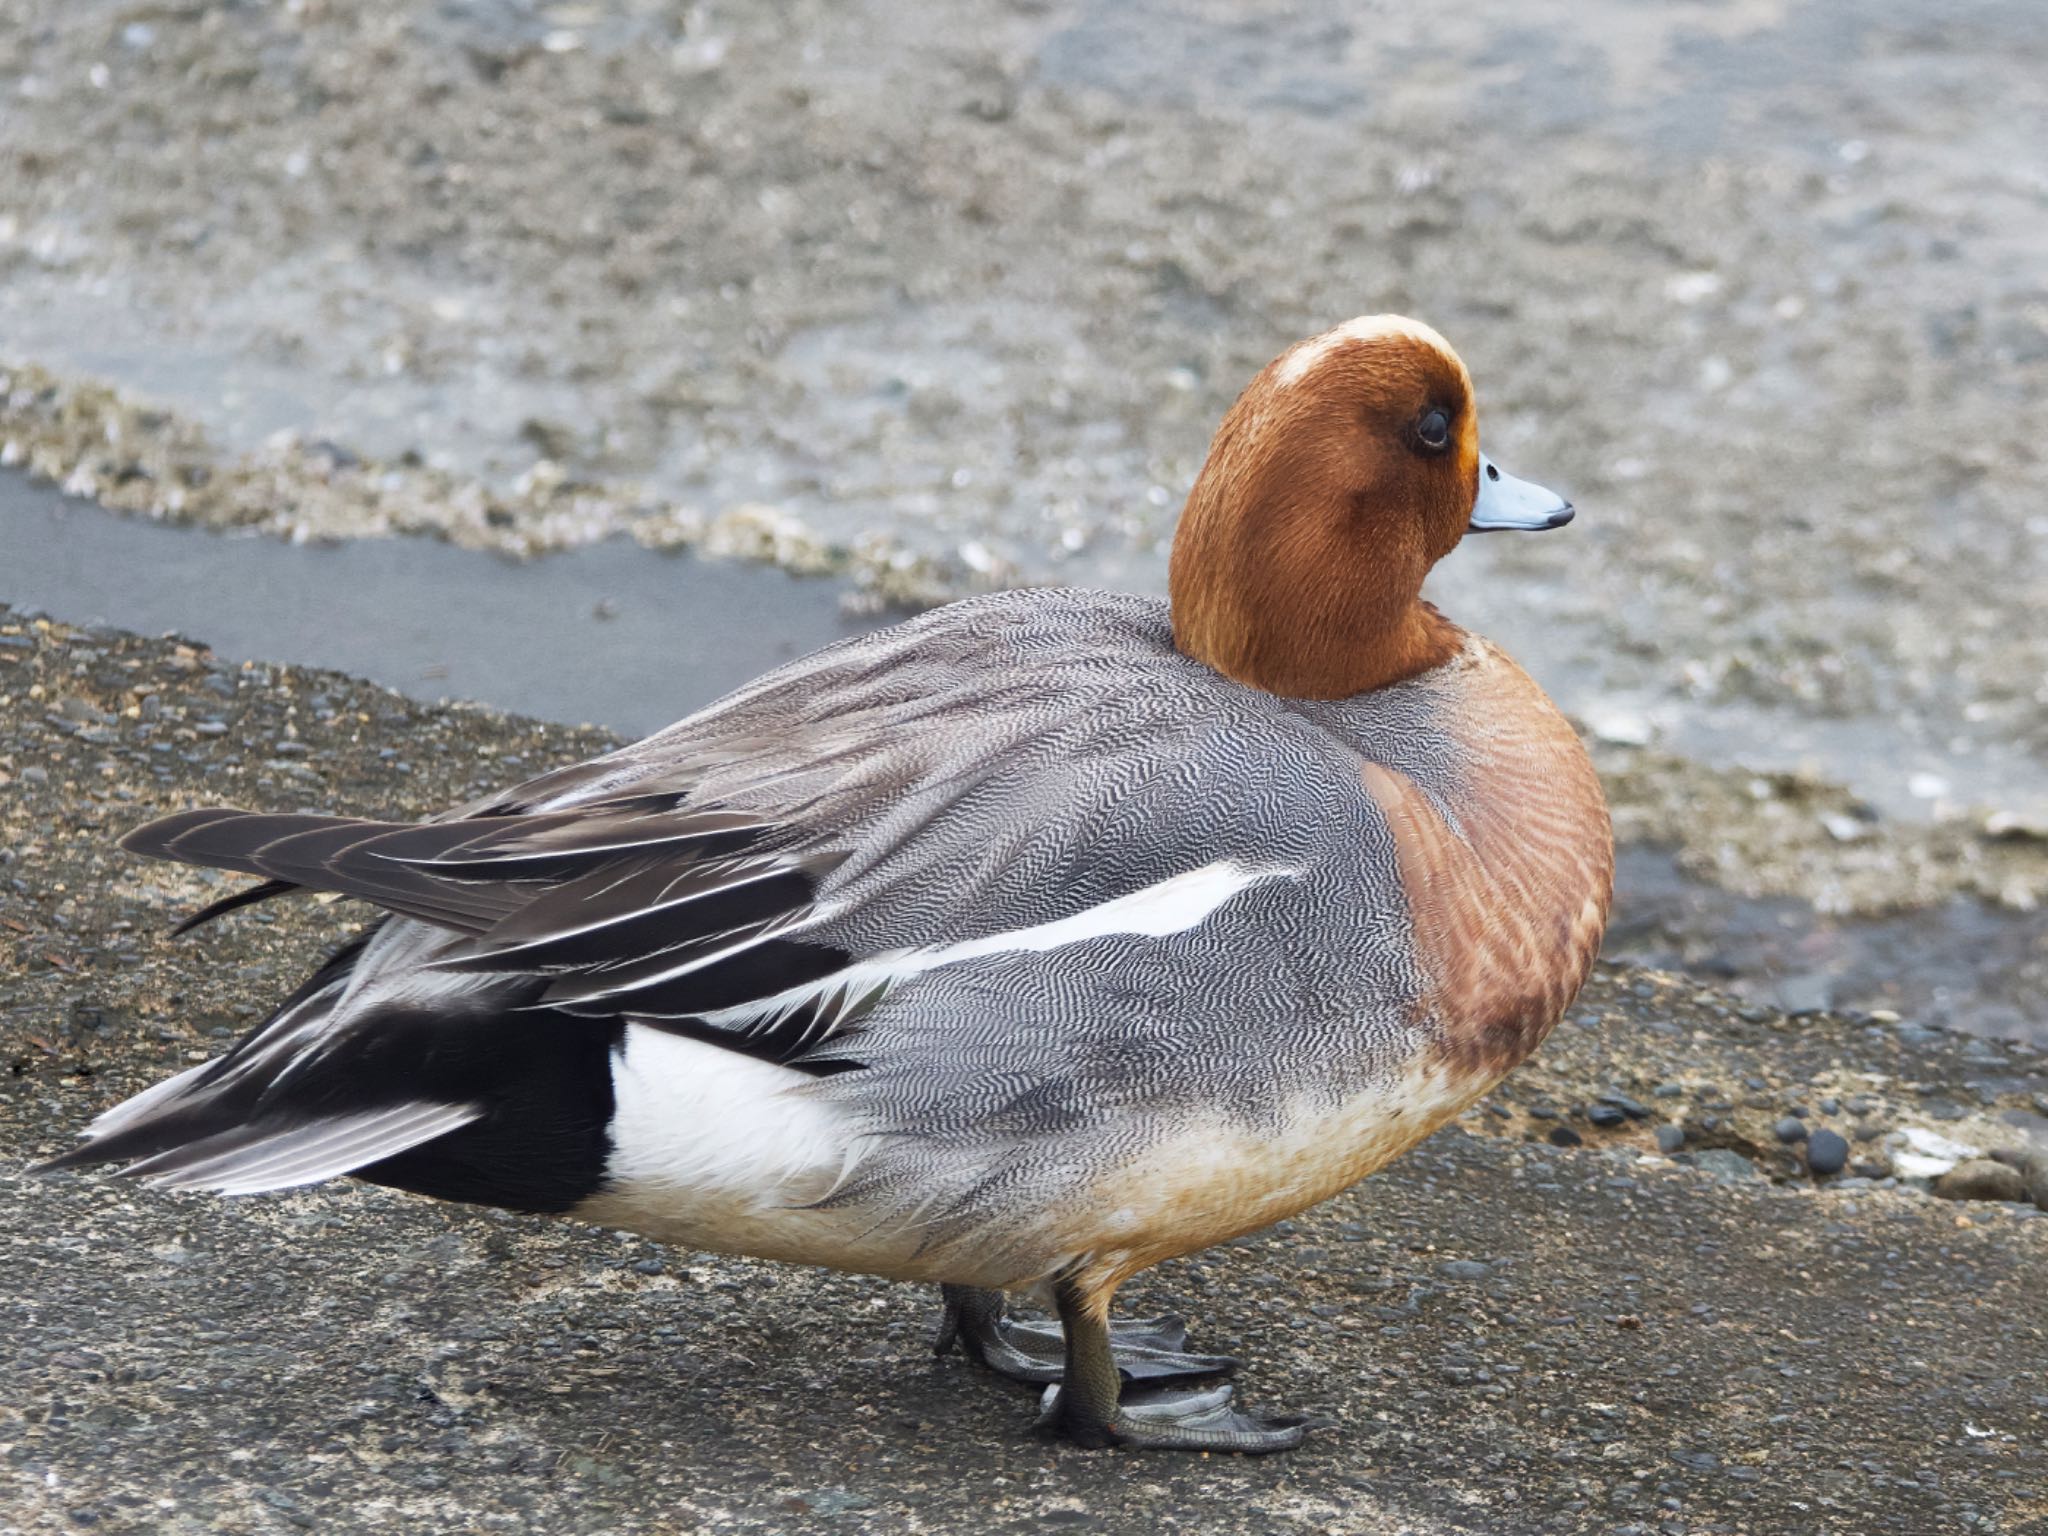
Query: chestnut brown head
(1346, 469)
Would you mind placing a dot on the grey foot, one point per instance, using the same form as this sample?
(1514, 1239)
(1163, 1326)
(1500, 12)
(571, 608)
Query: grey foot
(1176, 1419)
(1144, 1349)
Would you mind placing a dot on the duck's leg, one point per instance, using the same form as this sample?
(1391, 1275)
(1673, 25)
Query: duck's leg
(1090, 1407)
(1144, 1349)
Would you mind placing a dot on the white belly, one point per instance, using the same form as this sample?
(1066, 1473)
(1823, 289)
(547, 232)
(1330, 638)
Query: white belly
(715, 1150)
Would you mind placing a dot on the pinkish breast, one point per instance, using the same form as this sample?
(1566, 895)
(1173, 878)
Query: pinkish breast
(1507, 863)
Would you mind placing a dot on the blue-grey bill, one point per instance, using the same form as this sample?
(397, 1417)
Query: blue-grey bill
(1505, 502)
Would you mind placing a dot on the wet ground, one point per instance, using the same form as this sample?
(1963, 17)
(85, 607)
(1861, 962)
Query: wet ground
(1614, 1297)
(610, 633)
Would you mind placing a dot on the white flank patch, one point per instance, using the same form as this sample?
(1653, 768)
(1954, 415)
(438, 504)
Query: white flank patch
(1174, 905)
(1304, 356)
(699, 1119)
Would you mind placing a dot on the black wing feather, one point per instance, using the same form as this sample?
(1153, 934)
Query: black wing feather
(635, 907)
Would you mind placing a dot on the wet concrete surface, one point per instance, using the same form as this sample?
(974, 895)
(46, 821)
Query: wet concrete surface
(1509, 1334)
(608, 633)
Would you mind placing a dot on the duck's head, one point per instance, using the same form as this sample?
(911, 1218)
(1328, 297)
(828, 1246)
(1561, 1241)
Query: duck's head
(1346, 469)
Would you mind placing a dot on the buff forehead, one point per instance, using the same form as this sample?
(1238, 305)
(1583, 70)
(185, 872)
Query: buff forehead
(1302, 358)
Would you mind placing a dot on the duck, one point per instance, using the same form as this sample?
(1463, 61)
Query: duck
(1017, 948)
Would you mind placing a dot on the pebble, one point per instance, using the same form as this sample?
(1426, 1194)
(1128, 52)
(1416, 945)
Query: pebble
(2032, 1167)
(1726, 1166)
(1669, 1139)
(1604, 1115)
(1627, 1105)
(1464, 1269)
(1981, 1179)
(1790, 1129)
(1565, 1136)
(1826, 1153)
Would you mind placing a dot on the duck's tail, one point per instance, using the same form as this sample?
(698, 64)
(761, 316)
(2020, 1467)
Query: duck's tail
(236, 1125)
(474, 1098)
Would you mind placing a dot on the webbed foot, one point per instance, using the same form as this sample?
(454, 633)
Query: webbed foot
(1173, 1419)
(1144, 1349)
(1094, 1407)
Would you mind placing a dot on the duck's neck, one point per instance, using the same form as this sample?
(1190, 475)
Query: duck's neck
(1295, 657)
(1321, 640)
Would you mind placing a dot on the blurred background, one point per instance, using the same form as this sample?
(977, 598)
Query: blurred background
(587, 358)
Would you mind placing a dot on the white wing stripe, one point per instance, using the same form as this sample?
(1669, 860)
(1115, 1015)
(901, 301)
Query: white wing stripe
(1174, 905)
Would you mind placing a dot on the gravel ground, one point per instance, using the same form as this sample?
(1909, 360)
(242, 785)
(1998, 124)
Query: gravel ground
(1538, 1322)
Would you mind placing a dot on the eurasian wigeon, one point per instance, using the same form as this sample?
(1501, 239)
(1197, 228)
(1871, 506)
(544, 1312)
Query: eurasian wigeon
(1018, 948)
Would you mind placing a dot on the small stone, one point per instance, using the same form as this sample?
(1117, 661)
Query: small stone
(1542, 1111)
(1844, 828)
(1826, 1153)
(1807, 993)
(1726, 1166)
(1464, 1269)
(1669, 1139)
(1667, 1090)
(1604, 1115)
(1981, 1179)
(1626, 1105)
(1790, 1129)
(1565, 1136)
(2032, 1167)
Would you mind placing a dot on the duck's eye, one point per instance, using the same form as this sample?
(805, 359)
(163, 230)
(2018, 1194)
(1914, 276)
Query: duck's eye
(1433, 431)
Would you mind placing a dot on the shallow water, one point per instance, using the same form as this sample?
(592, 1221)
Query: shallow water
(1962, 963)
